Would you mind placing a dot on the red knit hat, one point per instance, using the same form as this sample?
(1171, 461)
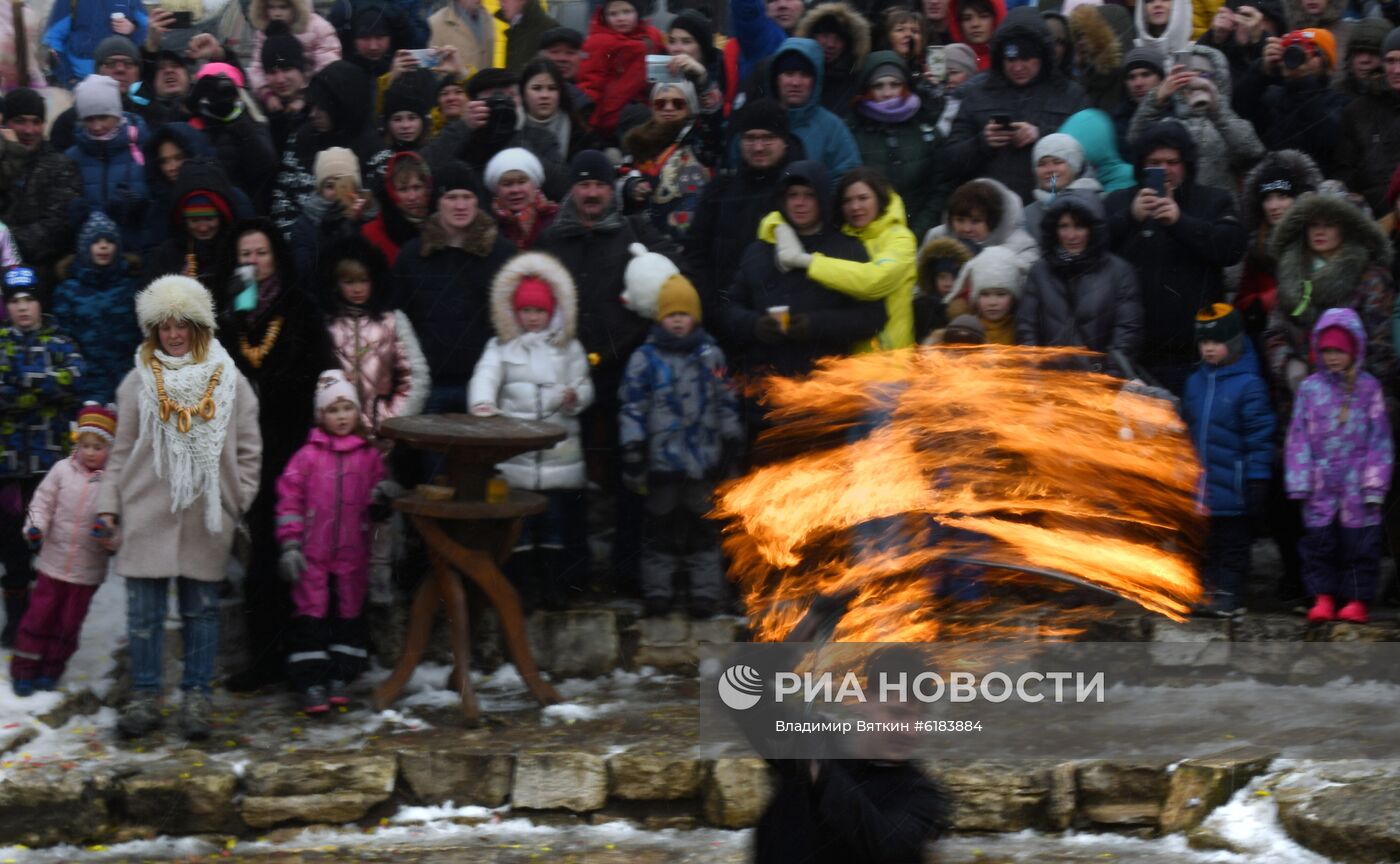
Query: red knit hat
(533, 291)
(98, 420)
(1336, 337)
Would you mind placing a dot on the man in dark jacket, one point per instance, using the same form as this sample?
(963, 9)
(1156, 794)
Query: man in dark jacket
(1369, 148)
(726, 221)
(819, 322)
(1023, 88)
(243, 144)
(591, 236)
(1179, 243)
(37, 183)
(1295, 107)
(442, 281)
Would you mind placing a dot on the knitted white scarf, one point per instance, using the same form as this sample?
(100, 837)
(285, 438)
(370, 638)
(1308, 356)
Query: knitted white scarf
(189, 462)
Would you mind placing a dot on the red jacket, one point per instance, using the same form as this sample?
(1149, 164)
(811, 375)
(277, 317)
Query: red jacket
(615, 71)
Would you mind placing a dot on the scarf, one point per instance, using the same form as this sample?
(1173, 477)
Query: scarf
(522, 226)
(1071, 266)
(269, 290)
(895, 110)
(557, 124)
(189, 462)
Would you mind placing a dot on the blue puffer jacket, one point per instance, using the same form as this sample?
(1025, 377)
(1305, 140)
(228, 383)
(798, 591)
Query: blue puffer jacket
(97, 307)
(114, 179)
(1232, 426)
(825, 137)
(39, 371)
(76, 27)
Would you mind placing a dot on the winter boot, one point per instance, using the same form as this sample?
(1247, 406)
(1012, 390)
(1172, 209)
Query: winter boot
(46, 683)
(23, 687)
(339, 692)
(141, 715)
(1323, 609)
(1354, 612)
(196, 716)
(16, 603)
(315, 700)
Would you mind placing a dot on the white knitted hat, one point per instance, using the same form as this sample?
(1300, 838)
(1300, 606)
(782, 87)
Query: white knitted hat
(513, 159)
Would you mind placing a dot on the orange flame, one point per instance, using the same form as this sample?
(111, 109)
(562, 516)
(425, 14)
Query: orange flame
(886, 465)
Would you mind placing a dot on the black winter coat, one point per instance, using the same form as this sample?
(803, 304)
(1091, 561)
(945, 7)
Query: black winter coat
(246, 151)
(856, 811)
(1093, 302)
(597, 258)
(445, 292)
(1178, 266)
(34, 201)
(1293, 115)
(726, 222)
(1369, 147)
(835, 322)
(1046, 103)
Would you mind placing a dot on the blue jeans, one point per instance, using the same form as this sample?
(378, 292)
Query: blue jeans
(145, 621)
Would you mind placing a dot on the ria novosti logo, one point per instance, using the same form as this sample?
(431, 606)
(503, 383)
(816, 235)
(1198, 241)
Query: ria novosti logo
(740, 687)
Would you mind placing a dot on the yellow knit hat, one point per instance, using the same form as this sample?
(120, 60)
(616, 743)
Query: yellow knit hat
(678, 295)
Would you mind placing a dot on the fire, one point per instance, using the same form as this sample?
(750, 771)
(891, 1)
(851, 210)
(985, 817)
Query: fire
(889, 471)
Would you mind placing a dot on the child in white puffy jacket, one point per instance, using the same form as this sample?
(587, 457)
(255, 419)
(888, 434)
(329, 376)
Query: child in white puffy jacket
(535, 369)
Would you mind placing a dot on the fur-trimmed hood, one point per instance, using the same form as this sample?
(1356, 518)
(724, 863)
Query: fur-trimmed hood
(1102, 52)
(481, 236)
(1176, 36)
(847, 20)
(549, 269)
(257, 15)
(1299, 20)
(1012, 213)
(934, 249)
(1364, 246)
(1298, 166)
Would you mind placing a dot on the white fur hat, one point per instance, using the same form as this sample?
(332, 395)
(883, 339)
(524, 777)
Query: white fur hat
(177, 297)
(993, 267)
(331, 387)
(645, 274)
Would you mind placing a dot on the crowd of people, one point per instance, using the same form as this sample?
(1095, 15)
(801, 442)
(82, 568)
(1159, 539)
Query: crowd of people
(253, 239)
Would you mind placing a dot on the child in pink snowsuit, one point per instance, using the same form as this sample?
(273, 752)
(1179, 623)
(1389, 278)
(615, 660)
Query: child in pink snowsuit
(323, 524)
(72, 563)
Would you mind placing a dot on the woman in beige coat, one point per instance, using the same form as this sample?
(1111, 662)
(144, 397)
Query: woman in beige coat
(181, 473)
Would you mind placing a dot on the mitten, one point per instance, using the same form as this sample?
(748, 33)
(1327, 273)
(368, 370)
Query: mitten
(35, 538)
(292, 563)
(788, 251)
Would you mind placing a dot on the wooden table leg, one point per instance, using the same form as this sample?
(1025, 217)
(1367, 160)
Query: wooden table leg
(454, 601)
(420, 630)
(481, 568)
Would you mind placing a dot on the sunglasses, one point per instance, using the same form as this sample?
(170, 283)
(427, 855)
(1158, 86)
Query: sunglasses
(667, 104)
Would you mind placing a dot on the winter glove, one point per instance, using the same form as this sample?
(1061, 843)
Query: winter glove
(768, 330)
(800, 328)
(634, 468)
(1257, 498)
(292, 563)
(788, 251)
(35, 538)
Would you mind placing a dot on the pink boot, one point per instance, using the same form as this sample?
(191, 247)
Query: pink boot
(1355, 612)
(1324, 609)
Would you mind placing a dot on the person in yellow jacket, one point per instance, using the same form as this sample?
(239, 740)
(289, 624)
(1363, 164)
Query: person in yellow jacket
(872, 212)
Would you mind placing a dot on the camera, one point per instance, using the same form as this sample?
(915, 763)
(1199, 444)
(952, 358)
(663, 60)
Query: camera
(1297, 50)
(502, 122)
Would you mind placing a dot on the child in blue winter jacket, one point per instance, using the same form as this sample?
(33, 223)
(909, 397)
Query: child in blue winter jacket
(96, 305)
(110, 162)
(1226, 406)
(679, 432)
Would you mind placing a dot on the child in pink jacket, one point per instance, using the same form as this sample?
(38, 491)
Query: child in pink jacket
(323, 524)
(317, 36)
(71, 561)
